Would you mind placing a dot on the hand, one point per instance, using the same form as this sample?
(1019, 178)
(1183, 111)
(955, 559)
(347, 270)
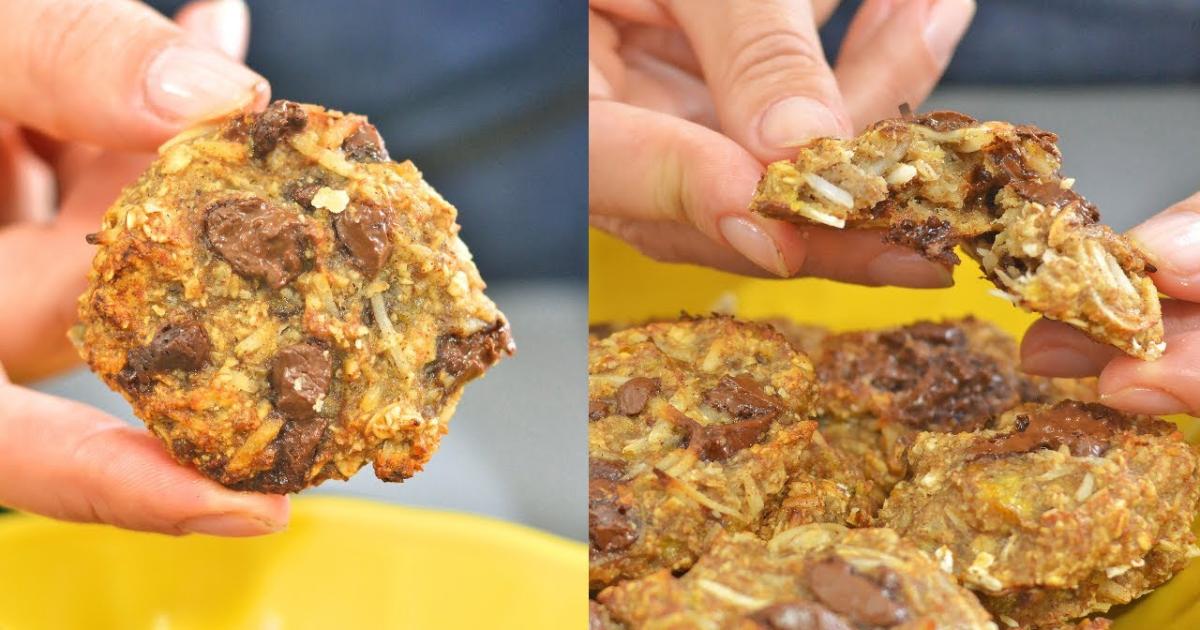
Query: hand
(690, 98)
(1172, 383)
(94, 86)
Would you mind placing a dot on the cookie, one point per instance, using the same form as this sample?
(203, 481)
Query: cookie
(282, 304)
(1053, 512)
(695, 427)
(815, 576)
(943, 179)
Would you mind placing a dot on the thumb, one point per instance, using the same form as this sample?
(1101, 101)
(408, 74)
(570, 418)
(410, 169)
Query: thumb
(113, 73)
(69, 461)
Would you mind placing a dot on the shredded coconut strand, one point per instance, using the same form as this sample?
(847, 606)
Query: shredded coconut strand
(829, 190)
(385, 325)
(716, 589)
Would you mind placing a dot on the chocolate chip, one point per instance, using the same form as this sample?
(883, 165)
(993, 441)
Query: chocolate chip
(363, 231)
(466, 358)
(609, 469)
(280, 120)
(179, 346)
(302, 192)
(597, 409)
(238, 129)
(1086, 429)
(295, 451)
(933, 238)
(92, 238)
(944, 121)
(633, 394)
(175, 346)
(741, 397)
(718, 442)
(798, 616)
(258, 239)
(300, 377)
(365, 145)
(611, 526)
(851, 594)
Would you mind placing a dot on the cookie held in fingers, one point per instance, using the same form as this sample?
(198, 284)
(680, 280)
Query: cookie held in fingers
(939, 180)
(282, 304)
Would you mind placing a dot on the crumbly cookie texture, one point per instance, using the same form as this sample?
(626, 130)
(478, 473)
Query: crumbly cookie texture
(943, 179)
(813, 576)
(1055, 511)
(282, 304)
(697, 427)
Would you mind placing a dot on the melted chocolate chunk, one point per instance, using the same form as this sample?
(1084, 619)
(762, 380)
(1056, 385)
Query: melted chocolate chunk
(280, 120)
(302, 192)
(179, 346)
(741, 397)
(363, 231)
(466, 358)
(609, 469)
(798, 616)
(176, 346)
(258, 239)
(238, 129)
(856, 596)
(933, 238)
(1086, 429)
(295, 451)
(718, 442)
(597, 409)
(365, 145)
(633, 394)
(300, 377)
(611, 525)
(944, 120)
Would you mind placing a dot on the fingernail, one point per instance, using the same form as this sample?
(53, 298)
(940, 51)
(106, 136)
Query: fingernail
(225, 25)
(945, 24)
(752, 242)
(187, 84)
(903, 268)
(796, 120)
(1061, 361)
(1172, 240)
(229, 525)
(1144, 400)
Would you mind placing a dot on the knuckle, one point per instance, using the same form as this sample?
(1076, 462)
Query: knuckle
(776, 55)
(71, 30)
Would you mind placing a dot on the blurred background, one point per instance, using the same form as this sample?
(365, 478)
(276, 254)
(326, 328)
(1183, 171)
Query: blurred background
(1117, 80)
(495, 117)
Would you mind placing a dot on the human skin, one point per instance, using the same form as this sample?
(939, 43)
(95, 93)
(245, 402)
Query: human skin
(1170, 384)
(689, 99)
(98, 84)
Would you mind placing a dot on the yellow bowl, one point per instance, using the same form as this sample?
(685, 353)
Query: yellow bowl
(342, 563)
(625, 286)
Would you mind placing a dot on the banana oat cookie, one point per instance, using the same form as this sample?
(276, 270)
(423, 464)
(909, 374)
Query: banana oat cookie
(942, 179)
(282, 304)
(1053, 512)
(816, 576)
(697, 427)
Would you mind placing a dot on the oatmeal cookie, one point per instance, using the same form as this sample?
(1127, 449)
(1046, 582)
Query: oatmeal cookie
(814, 576)
(942, 179)
(697, 427)
(1055, 511)
(282, 304)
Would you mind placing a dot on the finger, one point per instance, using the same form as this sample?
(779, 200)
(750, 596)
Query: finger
(68, 461)
(767, 72)
(647, 167)
(40, 307)
(668, 44)
(1168, 385)
(222, 24)
(895, 52)
(113, 72)
(26, 182)
(1171, 240)
(652, 84)
(1052, 348)
(823, 10)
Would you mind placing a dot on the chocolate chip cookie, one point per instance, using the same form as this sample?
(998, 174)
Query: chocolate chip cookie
(943, 179)
(816, 576)
(695, 427)
(282, 304)
(1053, 512)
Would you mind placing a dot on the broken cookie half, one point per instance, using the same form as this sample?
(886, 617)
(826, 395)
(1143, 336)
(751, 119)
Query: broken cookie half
(938, 180)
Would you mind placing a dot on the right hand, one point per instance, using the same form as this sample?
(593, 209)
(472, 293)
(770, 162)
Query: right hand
(689, 98)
